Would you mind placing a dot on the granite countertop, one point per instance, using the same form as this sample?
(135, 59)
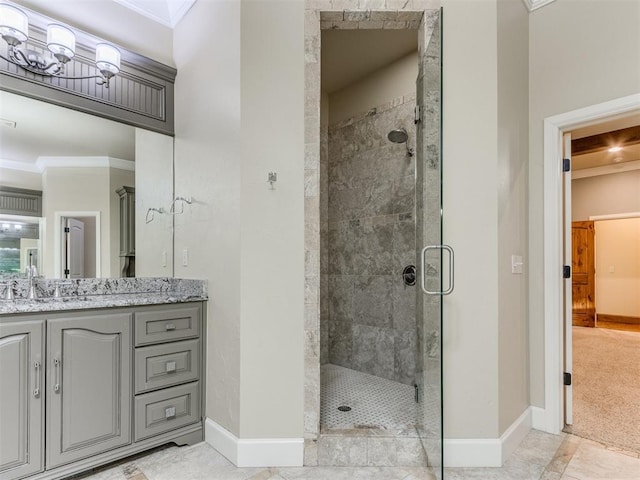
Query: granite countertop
(106, 293)
(93, 301)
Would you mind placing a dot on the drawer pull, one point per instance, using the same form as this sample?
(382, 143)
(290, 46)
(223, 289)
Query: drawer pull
(56, 366)
(170, 412)
(170, 326)
(170, 367)
(36, 390)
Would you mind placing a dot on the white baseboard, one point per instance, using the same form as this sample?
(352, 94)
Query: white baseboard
(472, 452)
(516, 432)
(487, 452)
(539, 418)
(254, 452)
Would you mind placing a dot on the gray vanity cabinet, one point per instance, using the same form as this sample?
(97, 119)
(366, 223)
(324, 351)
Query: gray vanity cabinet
(88, 386)
(21, 398)
(82, 388)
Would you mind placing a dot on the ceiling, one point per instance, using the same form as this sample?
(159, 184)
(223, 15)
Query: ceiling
(43, 129)
(350, 55)
(166, 12)
(602, 157)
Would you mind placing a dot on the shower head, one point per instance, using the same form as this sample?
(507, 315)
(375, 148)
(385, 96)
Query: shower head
(400, 135)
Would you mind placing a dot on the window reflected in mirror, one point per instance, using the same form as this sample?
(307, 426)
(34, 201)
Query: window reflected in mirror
(19, 245)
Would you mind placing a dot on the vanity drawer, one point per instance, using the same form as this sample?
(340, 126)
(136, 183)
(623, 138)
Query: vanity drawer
(165, 410)
(168, 364)
(166, 325)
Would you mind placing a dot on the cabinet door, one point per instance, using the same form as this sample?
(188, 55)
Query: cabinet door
(21, 404)
(89, 386)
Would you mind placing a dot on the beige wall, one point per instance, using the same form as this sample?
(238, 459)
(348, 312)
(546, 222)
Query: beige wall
(513, 146)
(618, 267)
(82, 189)
(470, 216)
(20, 179)
(581, 53)
(69, 189)
(393, 81)
(245, 238)
(485, 153)
(272, 227)
(605, 195)
(154, 189)
(117, 24)
(208, 167)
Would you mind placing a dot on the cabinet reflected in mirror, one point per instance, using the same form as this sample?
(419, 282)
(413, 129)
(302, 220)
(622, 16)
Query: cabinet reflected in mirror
(80, 162)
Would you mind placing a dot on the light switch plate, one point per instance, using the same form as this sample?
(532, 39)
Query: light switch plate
(516, 264)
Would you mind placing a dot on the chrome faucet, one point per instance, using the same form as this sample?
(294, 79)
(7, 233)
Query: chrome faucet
(33, 294)
(8, 292)
(56, 292)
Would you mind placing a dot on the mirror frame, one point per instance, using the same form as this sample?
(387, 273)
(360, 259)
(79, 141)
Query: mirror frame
(137, 73)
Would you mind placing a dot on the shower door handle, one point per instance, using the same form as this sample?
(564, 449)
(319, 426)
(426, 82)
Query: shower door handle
(423, 259)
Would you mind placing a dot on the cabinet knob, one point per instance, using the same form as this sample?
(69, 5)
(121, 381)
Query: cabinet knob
(170, 367)
(170, 326)
(170, 412)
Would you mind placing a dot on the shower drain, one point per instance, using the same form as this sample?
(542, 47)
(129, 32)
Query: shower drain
(344, 408)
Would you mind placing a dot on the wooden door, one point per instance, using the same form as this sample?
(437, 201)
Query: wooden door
(89, 386)
(21, 407)
(583, 274)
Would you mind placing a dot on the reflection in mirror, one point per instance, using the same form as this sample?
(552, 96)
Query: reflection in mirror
(19, 245)
(80, 162)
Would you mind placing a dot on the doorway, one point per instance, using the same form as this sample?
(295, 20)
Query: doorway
(551, 418)
(77, 245)
(601, 398)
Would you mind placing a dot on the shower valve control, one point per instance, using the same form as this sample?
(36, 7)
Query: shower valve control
(409, 275)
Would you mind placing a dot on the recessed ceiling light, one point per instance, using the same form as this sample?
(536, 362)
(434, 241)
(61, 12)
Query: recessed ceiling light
(7, 123)
(615, 149)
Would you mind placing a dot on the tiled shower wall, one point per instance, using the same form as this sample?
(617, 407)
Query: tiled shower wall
(369, 322)
(385, 14)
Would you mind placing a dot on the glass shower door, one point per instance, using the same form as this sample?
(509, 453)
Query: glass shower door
(435, 260)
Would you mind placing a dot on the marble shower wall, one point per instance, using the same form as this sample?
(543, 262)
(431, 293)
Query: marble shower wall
(369, 323)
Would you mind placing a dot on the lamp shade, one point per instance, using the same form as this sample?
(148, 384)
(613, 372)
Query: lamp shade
(61, 42)
(14, 24)
(107, 59)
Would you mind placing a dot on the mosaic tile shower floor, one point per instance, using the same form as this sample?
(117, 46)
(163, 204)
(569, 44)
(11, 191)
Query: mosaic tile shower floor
(374, 401)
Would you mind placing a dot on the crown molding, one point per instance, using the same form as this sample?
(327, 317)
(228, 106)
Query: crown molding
(175, 10)
(536, 4)
(44, 163)
(21, 166)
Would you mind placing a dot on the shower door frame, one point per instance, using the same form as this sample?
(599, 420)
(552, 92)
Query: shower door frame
(342, 14)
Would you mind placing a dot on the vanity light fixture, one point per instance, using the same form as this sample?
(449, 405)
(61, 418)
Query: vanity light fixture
(615, 149)
(61, 42)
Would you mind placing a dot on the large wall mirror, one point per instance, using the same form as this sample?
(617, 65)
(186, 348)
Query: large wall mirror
(81, 163)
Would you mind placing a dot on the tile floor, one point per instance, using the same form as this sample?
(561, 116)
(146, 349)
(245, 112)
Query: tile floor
(540, 456)
(374, 401)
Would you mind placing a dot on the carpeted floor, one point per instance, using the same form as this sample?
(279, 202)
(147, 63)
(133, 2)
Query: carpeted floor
(606, 386)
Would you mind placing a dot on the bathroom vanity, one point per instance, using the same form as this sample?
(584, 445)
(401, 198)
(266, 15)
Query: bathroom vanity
(88, 379)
